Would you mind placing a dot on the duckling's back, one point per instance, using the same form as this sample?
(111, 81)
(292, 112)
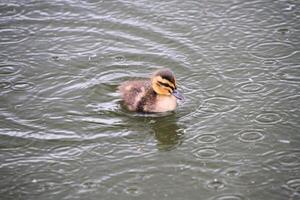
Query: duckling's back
(133, 91)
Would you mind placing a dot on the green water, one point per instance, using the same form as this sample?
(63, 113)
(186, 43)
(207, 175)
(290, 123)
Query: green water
(64, 133)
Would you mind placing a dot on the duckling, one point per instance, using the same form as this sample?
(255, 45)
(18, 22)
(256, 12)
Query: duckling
(157, 94)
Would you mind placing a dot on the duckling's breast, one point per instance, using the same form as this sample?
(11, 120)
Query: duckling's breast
(165, 103)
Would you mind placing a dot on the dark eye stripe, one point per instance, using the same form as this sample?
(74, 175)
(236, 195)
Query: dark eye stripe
(166, 85)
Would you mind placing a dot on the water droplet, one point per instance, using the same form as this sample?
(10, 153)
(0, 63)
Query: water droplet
(232, 173)
(55, 58)
(215, 184)
(119, 58)
(133, 190)
(283, 31)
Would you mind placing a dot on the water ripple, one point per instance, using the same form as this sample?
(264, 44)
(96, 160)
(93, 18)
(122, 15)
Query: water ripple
(272, 50)
(289, 73)
(218, 105)
(246, 177)
(66, 152)
(22, 86)
(243, 71)
(207, 138)
(251, 88)
(283, 160)
(269, 118)
(293, 185)
(207, 153)
(203, 82)
(10, 10)
(38, 182)
(9, 69)
(270, 63)
(231, 172)
(4, 85)
(103, 150)
(251, 135)
(13, 35)
(229, 197)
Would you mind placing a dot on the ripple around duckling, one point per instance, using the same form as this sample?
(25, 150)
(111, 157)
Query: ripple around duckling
(272, 50)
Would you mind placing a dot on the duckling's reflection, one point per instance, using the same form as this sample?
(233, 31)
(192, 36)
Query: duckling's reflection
(168, 133)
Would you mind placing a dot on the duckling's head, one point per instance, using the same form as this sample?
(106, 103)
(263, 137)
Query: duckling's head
(164, 83)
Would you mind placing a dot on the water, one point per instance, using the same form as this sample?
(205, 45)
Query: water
(65, 135)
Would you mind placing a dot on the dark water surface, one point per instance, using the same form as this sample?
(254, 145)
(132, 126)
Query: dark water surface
(65, 135)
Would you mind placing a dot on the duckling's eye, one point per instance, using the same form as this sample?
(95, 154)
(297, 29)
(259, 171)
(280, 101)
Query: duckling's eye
(166, 85)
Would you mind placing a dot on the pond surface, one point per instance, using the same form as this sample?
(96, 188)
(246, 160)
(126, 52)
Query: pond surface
(65, 135)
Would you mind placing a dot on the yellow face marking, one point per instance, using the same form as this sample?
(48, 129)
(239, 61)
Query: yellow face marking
(160, 79)
(162, 86)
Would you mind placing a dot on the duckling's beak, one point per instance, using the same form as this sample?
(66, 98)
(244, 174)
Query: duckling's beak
(177, 94)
